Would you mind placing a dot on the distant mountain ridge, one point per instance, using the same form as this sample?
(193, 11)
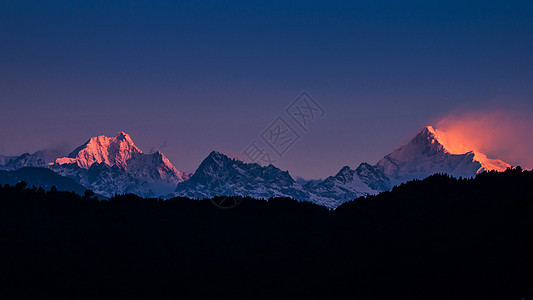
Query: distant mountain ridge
(347, 185)
(220, 175)
(423, 156)
(115, 165)
(11, 163)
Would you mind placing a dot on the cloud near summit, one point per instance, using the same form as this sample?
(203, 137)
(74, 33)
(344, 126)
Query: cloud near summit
(503, 134)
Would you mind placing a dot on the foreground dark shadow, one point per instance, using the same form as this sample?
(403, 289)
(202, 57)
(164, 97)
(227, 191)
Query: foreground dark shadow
(440, 238)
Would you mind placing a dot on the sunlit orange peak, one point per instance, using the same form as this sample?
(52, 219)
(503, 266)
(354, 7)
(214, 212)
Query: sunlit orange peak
(456, 144)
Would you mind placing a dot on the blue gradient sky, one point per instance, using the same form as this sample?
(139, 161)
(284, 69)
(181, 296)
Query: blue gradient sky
(197, 77)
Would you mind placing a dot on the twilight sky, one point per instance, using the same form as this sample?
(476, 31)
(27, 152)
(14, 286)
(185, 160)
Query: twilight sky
(188, 78)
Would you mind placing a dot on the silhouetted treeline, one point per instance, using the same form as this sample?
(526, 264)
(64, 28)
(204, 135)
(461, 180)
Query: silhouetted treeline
(439, 238)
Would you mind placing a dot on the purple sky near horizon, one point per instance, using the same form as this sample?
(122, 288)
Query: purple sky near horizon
(187, 79)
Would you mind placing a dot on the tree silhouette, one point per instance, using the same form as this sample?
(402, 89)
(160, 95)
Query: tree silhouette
(88, 194)
(437, 238)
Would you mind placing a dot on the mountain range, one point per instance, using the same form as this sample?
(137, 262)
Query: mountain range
(115, 165)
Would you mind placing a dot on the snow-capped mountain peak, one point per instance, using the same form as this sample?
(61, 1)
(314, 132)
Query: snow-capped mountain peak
(344, 174)
(427, 139)
(219, 175)
(433, 151)
(216, 158)
(101, 149)
(347, 185)
(123, 136)
(116, 165)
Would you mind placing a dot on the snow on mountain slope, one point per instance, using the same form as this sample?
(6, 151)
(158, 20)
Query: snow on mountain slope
(116, 166)
(106, 180)
(454, 145)
(4, 159)
(426, 154)
(10, 163)
(155, 167)
(489, 164)
(219, 175)
(101, 149)
(347, 185)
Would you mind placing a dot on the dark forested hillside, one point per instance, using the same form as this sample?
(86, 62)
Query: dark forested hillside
(41, 177)
(439, 238)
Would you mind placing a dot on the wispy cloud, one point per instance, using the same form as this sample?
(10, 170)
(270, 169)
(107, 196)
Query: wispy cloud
(500, 134)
